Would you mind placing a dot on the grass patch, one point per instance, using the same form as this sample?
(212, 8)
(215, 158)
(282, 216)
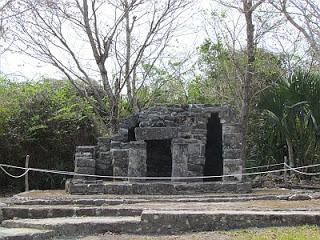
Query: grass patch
(306, 232)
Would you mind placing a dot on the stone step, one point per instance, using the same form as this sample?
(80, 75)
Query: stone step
(46, 211)
(89, 201)
(171, 222)
(99, 202)
(24, 234)
(78, 226)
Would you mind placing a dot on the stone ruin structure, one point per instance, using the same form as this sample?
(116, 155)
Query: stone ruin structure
(175, 140)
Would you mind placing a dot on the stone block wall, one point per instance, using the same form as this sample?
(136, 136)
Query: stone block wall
(125, 153)
(104, 158)
(85, 162)
(232, 163)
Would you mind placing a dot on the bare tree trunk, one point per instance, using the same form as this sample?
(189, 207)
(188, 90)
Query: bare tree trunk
(249, 74)
(135, 103)
(128, 54)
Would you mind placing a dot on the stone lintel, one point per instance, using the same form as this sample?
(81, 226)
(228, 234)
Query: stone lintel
(156, 133)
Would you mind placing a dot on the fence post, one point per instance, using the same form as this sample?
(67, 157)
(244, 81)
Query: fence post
(285, 162)
(26, 177)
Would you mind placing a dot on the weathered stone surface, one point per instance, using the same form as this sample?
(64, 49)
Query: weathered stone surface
(170, 222)
(84, 149)
(299, 197)
(155, 133)
(85, 162)
(77, 226)
(104, 144)
(137, 166)
(120, 161)
(180, 157)
(232, 154)
(85, 170)
(195, 168)
(177, 144)
(153, 188)
(231, 141)
(158, 188)
(24, 234)
(231, 128)
(232, 167)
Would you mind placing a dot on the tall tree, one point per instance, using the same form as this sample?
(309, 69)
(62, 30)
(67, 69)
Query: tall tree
(305, 17)
(241, 31)
(100, 44)
(248, 9)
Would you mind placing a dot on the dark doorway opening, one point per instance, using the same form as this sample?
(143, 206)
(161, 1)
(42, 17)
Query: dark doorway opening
(131, 134)
(214, 162)
(159, 159)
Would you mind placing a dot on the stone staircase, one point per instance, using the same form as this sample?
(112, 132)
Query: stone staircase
(53, 218)
(48, 221)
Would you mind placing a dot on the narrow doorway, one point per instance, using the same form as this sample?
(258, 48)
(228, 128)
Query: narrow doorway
(214, 161)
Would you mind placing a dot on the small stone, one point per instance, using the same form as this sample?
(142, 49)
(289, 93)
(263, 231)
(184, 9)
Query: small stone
(299, 197)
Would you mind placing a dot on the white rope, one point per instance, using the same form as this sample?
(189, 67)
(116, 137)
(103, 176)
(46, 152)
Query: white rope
(153, 178)
(264, 166)
(13, 176)
(303, 173)
(137, 178)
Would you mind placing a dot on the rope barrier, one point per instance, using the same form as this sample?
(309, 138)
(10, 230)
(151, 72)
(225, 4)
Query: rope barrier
(13, 176)
(264, 166)
(303, 173)
(152, 178)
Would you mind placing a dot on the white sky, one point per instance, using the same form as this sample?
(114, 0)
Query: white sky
(18, 66)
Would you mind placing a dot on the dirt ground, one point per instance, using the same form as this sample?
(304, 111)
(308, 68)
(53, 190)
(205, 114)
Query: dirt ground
(194, 236)
(306, 232)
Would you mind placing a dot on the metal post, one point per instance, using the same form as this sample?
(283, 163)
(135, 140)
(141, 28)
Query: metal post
(26, 177)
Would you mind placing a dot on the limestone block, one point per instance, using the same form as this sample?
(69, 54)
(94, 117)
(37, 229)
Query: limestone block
(121, 172)
(85, 170)
(104, 144)
(232, 166)
(85, 162)
(137, 166)
(83, 155)
(156, 133)
(100, 166)
(85, 149)
(120, 161)
(196, 168)
(197, 160)
(232, 154)
(115, 144)
(105, 157)
(180, 153)
(231, 128)
(179, 170)
(231, 141)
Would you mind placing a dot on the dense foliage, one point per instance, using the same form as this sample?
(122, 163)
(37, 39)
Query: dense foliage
(45, 120)
(286, 121)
